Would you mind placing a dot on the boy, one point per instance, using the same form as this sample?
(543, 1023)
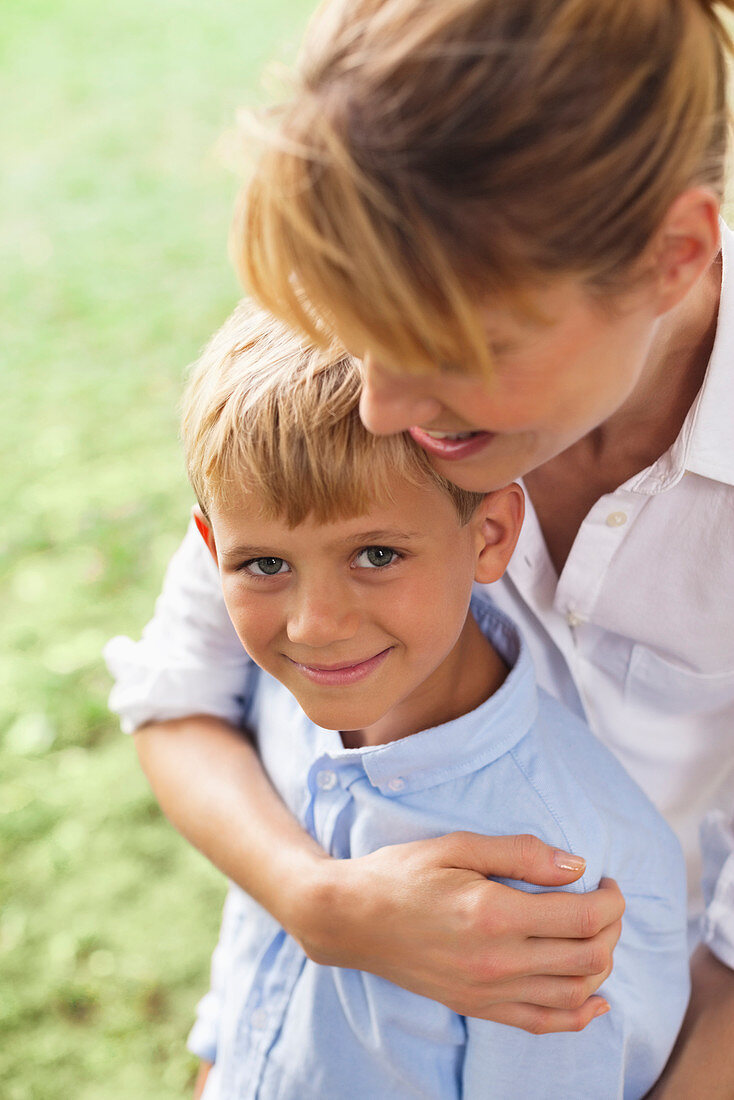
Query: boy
(387, 709)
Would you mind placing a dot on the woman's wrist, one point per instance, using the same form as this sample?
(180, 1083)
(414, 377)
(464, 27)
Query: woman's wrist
(312, 906)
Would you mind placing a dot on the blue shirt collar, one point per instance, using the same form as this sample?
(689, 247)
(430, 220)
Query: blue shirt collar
(444, 752)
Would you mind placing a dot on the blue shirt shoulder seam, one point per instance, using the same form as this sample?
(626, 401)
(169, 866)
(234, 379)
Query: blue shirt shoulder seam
(583, 881)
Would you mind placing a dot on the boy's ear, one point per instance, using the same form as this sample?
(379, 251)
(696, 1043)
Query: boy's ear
(205, 530)
(498, 520)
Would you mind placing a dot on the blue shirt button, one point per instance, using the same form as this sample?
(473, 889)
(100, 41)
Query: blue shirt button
(326, 780)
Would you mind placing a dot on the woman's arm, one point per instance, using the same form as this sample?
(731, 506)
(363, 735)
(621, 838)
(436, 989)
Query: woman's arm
(702, 1063)
(423, 915)
(705, 1042)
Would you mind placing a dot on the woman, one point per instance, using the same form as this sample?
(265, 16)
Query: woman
(509, 210)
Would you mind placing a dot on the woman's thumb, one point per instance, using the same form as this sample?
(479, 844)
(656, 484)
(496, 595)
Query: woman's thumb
(522, 857)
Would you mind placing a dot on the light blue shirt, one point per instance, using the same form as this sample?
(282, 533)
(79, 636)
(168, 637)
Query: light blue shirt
(280, 1027)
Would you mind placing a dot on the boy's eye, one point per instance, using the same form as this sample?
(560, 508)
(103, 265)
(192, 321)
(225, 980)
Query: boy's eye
(267, 567)
(374, 557)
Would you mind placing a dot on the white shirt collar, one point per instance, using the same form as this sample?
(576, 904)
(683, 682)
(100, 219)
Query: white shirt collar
(711, 449)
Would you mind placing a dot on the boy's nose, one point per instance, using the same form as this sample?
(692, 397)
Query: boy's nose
(320, 619)
(393, 403)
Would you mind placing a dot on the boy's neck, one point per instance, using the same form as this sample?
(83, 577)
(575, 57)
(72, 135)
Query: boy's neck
(471, 673)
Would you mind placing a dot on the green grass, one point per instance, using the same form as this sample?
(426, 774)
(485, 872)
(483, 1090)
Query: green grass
(115, 201)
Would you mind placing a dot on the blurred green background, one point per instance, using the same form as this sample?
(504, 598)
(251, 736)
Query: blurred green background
(115, 199)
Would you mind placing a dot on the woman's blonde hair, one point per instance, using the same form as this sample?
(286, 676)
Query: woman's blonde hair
(439, 153)
(268, 413)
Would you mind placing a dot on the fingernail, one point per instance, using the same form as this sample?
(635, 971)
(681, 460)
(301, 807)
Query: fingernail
(601, 1010)
(567, 862)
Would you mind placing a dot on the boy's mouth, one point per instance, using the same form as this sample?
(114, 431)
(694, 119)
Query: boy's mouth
(346, 672)
(450, 445)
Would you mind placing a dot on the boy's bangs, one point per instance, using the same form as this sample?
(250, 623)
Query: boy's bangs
(271, 418)
(324, 471)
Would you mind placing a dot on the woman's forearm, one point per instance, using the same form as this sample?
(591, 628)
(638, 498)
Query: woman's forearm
(211, 785)
(422, 914)
(702, 1063)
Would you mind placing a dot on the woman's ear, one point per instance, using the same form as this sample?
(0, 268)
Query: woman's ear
(685, 245)
(498, 520)
(205, 530)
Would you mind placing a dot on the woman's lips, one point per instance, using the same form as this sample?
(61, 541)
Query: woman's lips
(342, 673)
(453, 445)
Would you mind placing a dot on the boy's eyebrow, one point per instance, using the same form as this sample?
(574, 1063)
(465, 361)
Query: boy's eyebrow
(380, 536)
(238, 553)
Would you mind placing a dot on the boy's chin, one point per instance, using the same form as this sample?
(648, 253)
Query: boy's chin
(341, 721)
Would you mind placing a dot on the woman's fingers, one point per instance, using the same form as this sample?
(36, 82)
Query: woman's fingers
(576, 958)
(555, 992)
(527, 859)
(522, 857)
(568, 974)
(497, 909)
(573, 916)
(542, 1021)
(514, 961)
(428, 916)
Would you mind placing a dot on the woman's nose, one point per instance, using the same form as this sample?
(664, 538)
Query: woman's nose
(392, 403)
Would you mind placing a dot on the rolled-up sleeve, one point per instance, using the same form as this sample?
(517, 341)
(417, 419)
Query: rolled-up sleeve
(189, 659)
(717, 846)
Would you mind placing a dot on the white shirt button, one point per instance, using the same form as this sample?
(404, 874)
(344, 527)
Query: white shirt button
(396, 784)
(259, 1018)
(616, 519)
(326, 780)
(573, 619)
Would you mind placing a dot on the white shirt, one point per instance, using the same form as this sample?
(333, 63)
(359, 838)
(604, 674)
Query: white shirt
(637, 633)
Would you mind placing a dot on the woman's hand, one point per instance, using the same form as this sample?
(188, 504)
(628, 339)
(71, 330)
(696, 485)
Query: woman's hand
(425, 916)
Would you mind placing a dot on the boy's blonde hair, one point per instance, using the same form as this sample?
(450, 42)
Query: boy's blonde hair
(438, 154)
(268, 413)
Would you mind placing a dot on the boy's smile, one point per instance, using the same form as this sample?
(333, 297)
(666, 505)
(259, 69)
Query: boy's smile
(365, 620)
(346, 672)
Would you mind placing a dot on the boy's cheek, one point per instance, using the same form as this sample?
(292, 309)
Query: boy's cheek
(247, 621)
(248, 633)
